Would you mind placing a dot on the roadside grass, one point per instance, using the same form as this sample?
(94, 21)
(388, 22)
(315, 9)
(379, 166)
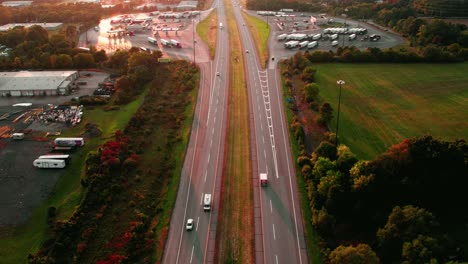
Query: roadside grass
(17, 242)
(260, 32)
(382, 104)
(235, 232)
(312, 238)
(208, 31)
(173, 185)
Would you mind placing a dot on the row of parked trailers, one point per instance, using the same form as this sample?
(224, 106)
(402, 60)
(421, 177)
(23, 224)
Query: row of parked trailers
(301, 44)
(58, 161)
(302, 36)
(359, 31)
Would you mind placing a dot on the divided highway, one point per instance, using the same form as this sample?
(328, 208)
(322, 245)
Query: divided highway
(202, 170)
(279, 234)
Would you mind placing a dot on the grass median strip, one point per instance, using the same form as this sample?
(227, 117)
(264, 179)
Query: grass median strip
(208, 31)
(235, 232)
(260, 32)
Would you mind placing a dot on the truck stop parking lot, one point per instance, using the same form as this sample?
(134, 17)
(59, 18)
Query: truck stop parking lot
(22, 186)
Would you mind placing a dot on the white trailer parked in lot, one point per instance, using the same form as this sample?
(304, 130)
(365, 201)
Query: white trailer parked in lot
(282, 37)
(334, 36)
(312, 45)
(291, 44)
(69, 142)
(303, 44)
(316, 36)
(296, 36)
(165, 42)
(352, 37)
(152, 40)
(175, 43)
(64, 157)
(49, 163)
(334, 43)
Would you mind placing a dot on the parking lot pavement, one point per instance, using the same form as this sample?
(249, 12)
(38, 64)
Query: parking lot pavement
(23, 187)
(277, 49)
(103, 40)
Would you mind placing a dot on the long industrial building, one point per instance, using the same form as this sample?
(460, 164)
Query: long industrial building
(37, 83)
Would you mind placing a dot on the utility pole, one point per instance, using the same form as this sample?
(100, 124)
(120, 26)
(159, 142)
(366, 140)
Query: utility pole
(193, 37)
(340, 83)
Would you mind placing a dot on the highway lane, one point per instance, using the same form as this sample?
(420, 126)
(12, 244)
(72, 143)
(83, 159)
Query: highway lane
(202, 170)
(281, 220)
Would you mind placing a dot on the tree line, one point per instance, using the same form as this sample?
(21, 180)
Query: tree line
(405, 206)
(35, 48)
(403, 17)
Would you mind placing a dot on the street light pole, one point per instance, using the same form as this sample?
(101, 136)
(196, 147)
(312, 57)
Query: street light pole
(193, 37)
(340, 83)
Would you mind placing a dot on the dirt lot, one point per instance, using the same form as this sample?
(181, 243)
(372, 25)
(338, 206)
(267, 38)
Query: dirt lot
(22, 186)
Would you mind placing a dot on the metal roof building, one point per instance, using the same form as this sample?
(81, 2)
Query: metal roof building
(36, 83)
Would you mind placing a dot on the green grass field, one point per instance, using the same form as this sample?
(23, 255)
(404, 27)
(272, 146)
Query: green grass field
(382, 104)
(17, 242)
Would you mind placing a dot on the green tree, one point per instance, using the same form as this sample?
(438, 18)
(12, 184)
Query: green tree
(360, 254)
(308, 74)
(38, 35)
(346, 159)
(326, 114)
(100, 56)
(422, 249)
(326, 150)
(310, 92)
(64, 61)
(119, 61)
(83, 60)
(404, 224)
(323, 222)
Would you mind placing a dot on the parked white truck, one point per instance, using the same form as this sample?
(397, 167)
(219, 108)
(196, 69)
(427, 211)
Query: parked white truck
(49, 163)
(69, 142)
(303, 44)
(175, 43)
(312, 45)
(281, 37)
(291, 44)
(165, 42)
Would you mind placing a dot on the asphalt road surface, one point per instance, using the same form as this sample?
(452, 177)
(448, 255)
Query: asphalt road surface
(202, 170)
(279, 235)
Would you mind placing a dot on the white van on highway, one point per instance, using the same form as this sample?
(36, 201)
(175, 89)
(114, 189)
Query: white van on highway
(207, 202)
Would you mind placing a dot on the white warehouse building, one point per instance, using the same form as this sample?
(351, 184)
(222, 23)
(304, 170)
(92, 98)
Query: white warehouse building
(37, 83)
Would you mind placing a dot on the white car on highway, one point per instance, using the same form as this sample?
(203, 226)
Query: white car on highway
(189, 225)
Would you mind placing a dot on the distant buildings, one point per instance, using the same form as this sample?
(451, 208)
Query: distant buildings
(187, 5)
(37, 83)
(16, 3)
(48, 26)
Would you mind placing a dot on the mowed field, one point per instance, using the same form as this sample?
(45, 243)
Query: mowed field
(382, 104)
